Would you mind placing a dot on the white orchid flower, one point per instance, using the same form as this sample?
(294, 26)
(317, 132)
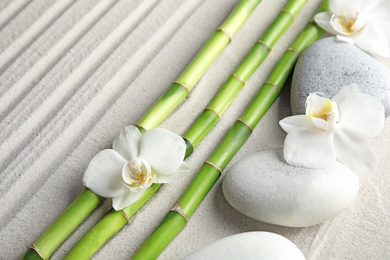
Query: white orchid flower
(337, 129)
(364, 23)
(135, 163)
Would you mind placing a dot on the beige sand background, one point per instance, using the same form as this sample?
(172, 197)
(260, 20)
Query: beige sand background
(68, 86)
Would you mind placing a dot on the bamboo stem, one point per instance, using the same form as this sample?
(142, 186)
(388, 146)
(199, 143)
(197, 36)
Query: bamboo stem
(233, 85)
(232, 142)
(88, 245)
(201, 62)
(49, 241)
(52, 238)
(107, 227)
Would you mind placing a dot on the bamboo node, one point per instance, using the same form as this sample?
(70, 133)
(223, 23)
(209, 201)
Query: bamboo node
(183, 85)
(214, 111)
(294, 50)
(177, 208)
(227, 33)
(273, 84)
(188, 140)
(238, 78)
(265, 44)
(245, 123)
(36, 249)
(140, 126)
(214, 166)
(287, 12)
(126, 216)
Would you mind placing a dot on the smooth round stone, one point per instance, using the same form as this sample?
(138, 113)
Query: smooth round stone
(266, 188)
(328, 65)
(251, 245)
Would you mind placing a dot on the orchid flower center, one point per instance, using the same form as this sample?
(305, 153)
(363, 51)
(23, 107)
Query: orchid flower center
(320, 107)
(137, 174)
(350, 21)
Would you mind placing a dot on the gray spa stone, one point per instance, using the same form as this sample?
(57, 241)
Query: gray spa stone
(250, 245)
(264, 187)
(329, 65)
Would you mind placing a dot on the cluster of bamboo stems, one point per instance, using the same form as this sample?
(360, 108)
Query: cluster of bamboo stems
(212, 169)
(87, 201)
(176, 219)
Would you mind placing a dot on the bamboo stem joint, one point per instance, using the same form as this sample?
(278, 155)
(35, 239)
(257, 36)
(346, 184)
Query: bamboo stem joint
(294, 50)
(215, 166)
(177, 208)
(227, 33)
(214, 111)
(139, 127)
(188, 140)
(287, 12)
(183, 85)
(37, 250)
(238, 78)
(265, 44)
(273, 84)
(245, 123)
(126, 216)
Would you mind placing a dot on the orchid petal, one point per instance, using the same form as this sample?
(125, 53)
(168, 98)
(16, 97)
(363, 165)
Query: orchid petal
(365, 5)
(127, 142)
(320, 124)
(374, 38)
(316, 103)
(346, 39)
(354, 153)
(291, 123)
(125, 199)
(309, 148)
(359, 23)
(163, 150)
(104, 174)
(183, 170)
(320, 109)
(336, 6)
(378, 10)
(323, 21)
(352, 89)
(361, 115)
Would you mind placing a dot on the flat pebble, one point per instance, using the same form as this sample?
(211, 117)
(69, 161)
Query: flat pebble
(250, 245)
(265, 187)
(328, 65)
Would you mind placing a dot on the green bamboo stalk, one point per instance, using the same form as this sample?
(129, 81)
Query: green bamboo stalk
(202, 61)
(212, 169)
(233, 85)
(53, 237)
(50, 240)
(104, 230)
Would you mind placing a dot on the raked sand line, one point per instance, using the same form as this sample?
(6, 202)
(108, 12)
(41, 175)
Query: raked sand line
(55, 147)
(16, 92)
(18, 116)
(51, 14)
(11, 10)
(16, 134)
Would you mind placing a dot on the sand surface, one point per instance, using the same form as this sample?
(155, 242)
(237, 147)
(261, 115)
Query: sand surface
(74, 73)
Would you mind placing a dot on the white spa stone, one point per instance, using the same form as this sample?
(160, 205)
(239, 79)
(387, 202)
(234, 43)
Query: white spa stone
(264, 187)
(247, 246)
(328, 65)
